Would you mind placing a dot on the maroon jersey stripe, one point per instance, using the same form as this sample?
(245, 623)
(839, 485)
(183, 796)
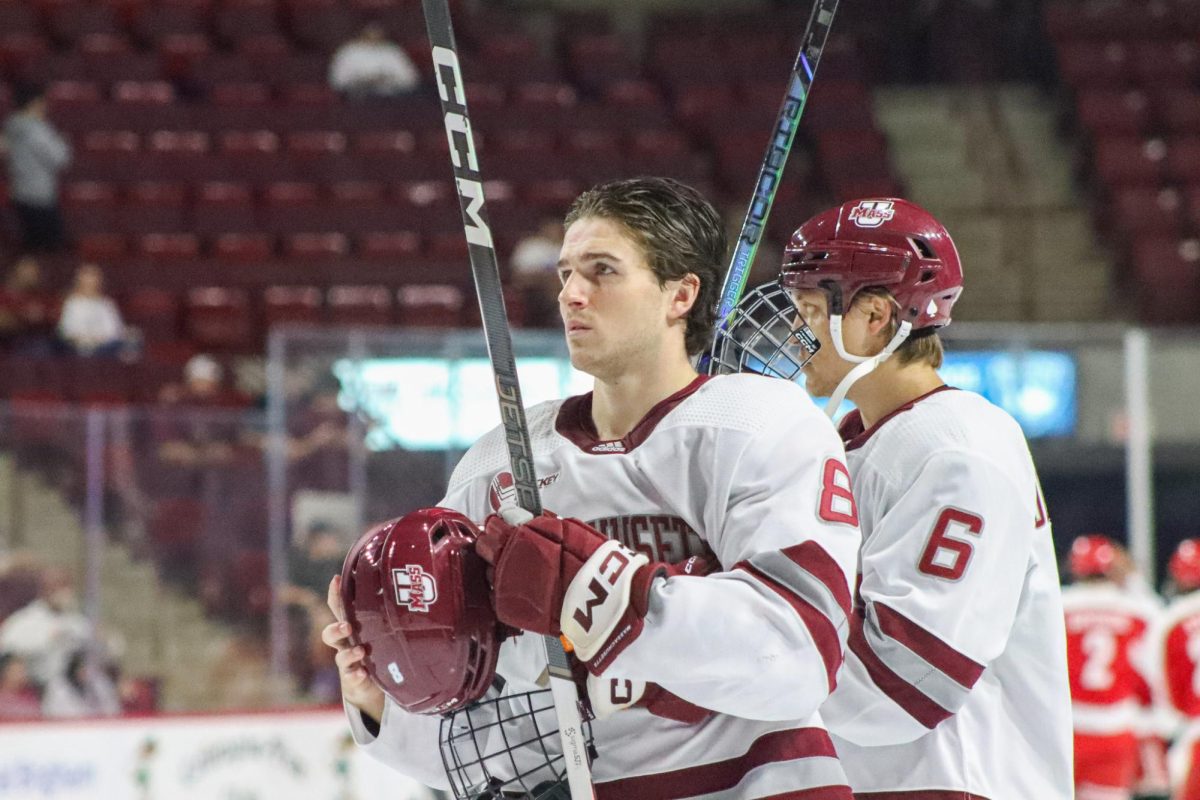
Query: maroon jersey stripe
(812, 557)
(919, 794)
(958, 667)
(822, 629)
(720, 776)
(903, 693)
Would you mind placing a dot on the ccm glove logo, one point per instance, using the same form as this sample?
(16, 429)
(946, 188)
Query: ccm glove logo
(598, 597)
(608, 572)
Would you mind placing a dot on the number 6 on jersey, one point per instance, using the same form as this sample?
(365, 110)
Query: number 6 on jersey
(946, 556)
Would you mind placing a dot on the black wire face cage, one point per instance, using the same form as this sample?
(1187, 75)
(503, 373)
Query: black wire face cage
(764, 334)
(507, 747)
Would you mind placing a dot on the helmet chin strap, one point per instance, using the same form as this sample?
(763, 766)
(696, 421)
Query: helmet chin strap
(864, 364)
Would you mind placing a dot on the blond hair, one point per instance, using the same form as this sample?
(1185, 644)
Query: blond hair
(919, 347)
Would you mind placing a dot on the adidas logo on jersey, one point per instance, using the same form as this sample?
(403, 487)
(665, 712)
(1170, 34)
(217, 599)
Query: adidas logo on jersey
(609, 447)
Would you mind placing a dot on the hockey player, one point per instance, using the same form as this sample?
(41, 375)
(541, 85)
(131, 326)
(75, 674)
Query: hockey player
(703, 686)
(955, 681)
(1107, 628)
(1176, 649)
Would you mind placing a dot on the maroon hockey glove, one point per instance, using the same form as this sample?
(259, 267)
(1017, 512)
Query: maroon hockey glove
(559, 576)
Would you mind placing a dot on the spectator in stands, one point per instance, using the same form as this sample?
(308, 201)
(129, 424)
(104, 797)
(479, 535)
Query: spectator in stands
(534, 266)
(47, 631)
(309, 569)
(371, 67)
(84, 688)
(202, 438)
(20, 582)
(91, 324)
(27, 310)
(37, 156)
(18, 697)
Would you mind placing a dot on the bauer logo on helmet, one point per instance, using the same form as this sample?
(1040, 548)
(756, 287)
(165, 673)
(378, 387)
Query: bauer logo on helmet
(872, 213)
(415, 588)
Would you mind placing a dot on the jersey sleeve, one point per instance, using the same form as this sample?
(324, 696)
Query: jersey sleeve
(407, 743)
(764, 638)
(942, 574)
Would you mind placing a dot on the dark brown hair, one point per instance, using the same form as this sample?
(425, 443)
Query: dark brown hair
(678, 230)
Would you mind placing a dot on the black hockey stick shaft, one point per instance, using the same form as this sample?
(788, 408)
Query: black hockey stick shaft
(783, 135)
(486, 272)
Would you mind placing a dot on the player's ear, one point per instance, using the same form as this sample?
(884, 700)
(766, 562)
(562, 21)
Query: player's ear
(879, 310)
(684, 294)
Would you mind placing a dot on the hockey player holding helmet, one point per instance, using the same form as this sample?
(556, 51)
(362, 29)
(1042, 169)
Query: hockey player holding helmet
(955, 681)
(703, 686)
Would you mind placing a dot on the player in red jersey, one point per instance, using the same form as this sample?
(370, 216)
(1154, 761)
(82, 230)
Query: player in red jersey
(1106, 633)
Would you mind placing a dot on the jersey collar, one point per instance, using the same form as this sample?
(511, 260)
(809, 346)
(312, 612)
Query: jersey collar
(574, 422)
(851, 428)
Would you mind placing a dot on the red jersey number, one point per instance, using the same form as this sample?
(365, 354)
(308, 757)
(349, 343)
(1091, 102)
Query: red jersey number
(945, 556)
(837, 501)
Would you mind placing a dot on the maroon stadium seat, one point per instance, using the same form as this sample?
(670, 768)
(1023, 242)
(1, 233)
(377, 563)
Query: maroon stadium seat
(104, 248)
(1126, 161)
(155, 312)
(1144, 212)
(69, 23)
(1183, 159)
(282, 304)
(316, 247)
(390, 247)
(154, 206)
(1160, 64)
(359, 305)
(1094, 63)
(244, 247)
(169, 247)
(1107, 112)
(1166, 274)
(223, 207)
(431, 305)
(219, 319)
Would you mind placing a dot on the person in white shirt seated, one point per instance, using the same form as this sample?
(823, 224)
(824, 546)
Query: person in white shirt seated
(371, 66)
(91, 323)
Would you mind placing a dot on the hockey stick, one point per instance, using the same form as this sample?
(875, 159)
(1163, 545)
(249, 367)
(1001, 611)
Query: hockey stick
(771, 172)
(486, 273)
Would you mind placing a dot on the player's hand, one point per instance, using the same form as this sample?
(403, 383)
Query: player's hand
(357, 687)
(559, 576)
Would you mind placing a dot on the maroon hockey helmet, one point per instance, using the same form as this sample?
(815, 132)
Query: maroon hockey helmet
(1093, 555)
(878, 242)
(1185, 564)
(417, 599)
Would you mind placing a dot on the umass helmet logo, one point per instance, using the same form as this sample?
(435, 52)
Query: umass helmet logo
(415, 588)
(872, 213)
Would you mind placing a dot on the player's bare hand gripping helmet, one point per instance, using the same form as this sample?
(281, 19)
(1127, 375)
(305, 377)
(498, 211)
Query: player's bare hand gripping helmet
(884, 243)
(417, 600)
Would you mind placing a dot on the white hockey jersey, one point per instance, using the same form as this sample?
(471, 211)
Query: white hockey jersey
(741, 468)
(955, 681)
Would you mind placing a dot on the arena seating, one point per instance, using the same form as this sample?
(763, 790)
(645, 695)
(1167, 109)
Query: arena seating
(210, 153)
(1132, 69)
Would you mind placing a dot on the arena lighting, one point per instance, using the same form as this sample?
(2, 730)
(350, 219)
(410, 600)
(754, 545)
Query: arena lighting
(440, 403)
